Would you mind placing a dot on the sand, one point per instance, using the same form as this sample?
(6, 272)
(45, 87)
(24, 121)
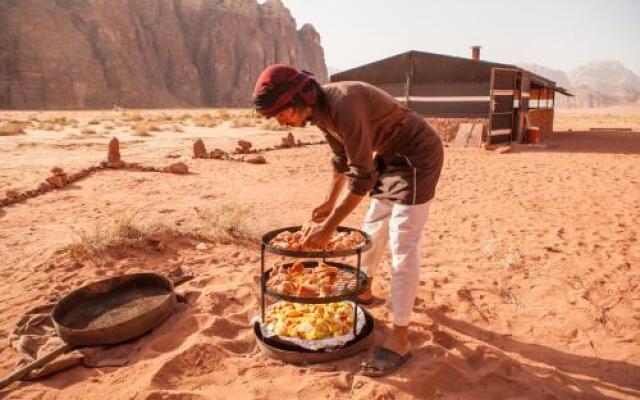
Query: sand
(529, 285)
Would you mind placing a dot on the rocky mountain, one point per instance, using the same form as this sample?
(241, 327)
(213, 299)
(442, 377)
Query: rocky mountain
(62, 54)
(596, 84)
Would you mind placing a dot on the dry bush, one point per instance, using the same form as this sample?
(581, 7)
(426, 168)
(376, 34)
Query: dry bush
(133, 116)
(88, 131)
(63, 121)
(143, 129)
(246, 114)
(243, 122)
(206, 121)
(48, 126)
(127, 231)
(93, 122)
(177, 128)
(224, 114)
(272, 124)
(13, 128)
(224, 223)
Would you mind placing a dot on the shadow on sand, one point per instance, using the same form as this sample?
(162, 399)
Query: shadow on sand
(499, 367)
(608, 142)
(493, 369)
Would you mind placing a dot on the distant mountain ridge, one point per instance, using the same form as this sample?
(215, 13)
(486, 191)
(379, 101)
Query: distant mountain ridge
(596, 84)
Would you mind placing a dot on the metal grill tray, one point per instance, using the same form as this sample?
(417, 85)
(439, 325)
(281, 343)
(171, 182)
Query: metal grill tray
(266, 240)
(294, 354)
(348, 271)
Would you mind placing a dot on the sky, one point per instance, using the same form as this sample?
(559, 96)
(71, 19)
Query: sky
(559, 34)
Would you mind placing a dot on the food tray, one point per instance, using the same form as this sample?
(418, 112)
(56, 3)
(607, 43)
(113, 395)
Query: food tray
(266, 239)
(347, 272)
(293, 354)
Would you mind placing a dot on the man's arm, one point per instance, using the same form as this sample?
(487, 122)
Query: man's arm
(321, 234)
(321, 212)
(346, 207)
(337, 184)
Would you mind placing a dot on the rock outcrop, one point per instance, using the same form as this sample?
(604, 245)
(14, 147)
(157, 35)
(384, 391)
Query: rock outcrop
(147, 53)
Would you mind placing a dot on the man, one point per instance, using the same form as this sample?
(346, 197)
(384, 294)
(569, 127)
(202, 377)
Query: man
(380, 148)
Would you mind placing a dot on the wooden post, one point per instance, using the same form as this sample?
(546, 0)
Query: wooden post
(409, 79)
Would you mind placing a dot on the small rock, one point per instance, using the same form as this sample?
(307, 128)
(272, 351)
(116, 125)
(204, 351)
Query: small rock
(57, 171)
(12, 194)
(32, 193)
(217, 154)
(177, 168)
(490, 147)
(256, 159)
(201, 246)
(57, 181)
(358, 384)
(116, 164)
(148, 169)
(199, 150)
(114, 151)
(44, 187)
(505, 150)
(244, 144)
(288, 141)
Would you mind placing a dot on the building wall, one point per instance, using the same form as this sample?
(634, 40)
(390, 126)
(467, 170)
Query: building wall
(448, 127)
(542, 119)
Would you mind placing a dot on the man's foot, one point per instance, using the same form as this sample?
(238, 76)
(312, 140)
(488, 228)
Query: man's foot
(398, 341)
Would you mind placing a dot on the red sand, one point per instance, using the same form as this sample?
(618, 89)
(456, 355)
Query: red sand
(529, 289)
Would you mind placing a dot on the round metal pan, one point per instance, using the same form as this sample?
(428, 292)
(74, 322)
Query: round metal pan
(266, 240)
(293, 354)
(344, 295)
(114, 310)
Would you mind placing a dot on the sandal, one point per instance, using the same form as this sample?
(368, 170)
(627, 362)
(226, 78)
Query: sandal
(383, 362)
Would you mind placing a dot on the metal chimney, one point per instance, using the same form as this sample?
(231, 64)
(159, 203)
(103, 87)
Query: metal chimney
(475, 53)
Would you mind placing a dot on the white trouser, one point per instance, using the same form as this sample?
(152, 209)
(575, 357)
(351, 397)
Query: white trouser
(401, 226)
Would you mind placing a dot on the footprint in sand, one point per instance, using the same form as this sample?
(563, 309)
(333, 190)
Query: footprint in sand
(330, 386)
(243, 345)
(171, 335)
(224, 328)
(185, 370)
(164, 395)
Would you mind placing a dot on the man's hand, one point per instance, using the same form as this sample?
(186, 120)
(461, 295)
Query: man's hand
(321, 212)
(318, 237)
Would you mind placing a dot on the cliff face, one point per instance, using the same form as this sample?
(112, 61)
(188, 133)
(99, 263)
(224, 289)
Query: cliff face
(145, 53)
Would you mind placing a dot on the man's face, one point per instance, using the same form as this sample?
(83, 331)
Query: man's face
(294, 116)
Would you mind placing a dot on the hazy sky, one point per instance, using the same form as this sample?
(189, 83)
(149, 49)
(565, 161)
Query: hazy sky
(559, 34)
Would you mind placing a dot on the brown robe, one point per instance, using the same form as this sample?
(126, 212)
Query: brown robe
(384, 148)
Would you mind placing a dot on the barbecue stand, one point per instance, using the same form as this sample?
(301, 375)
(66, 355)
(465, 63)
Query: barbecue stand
(350, 286)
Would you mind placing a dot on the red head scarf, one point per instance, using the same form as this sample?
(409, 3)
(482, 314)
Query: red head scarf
(278, 84)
